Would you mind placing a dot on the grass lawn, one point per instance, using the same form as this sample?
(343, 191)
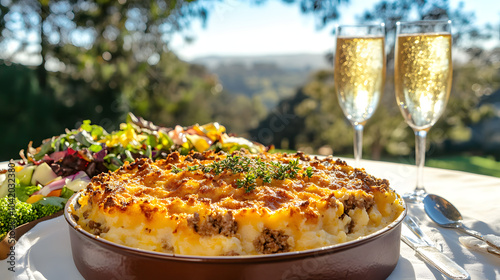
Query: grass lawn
(473, 164)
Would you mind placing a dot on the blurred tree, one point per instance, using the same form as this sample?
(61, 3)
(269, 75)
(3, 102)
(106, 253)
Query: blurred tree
(472, 117)
(319, 119)
(324, 10)
(465, 32)
(24, 109)
(52, 33)
(237, 112)
(99, 53)
(73, 34)
(98, 60)
(307, 121)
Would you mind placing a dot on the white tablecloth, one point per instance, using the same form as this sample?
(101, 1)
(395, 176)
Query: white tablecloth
(45, 253)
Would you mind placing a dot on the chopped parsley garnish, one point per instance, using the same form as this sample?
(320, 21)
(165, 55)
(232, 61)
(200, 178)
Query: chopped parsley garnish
(252, 169)
(176, 169)
(309, 171)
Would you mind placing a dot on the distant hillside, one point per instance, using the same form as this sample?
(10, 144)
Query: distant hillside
(286, 62)
(266, 79)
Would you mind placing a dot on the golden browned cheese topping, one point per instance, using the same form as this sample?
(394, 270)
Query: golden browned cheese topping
(172, 178)
(246, 203)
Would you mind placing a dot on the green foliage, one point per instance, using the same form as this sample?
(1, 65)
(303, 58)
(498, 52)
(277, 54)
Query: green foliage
(107, 57)
(172, 92)
(473, 164)
(24, 192)
(26, 112)
(315, 119)
(48, 206)
(318, 124)
(324, 10)
(14, 213)
(465, 32)
(266, 81)
(111, 57)
(66, 193)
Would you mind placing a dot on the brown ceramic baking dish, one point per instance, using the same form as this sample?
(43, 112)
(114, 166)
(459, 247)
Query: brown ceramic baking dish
(372, 257)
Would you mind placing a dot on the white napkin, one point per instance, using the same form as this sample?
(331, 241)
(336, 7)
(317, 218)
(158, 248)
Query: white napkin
(473, 243)
(479, 264)
(42, 253)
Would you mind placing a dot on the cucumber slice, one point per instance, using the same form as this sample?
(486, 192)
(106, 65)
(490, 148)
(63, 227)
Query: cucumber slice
(25, 175)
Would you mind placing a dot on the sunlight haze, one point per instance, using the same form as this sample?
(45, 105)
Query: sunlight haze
(238, 28)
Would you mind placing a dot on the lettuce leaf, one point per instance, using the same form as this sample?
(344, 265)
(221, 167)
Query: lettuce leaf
(66, 193)
(52, 200)
(24, 192)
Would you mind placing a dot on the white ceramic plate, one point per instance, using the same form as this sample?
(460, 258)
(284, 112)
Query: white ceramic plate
(42, 253)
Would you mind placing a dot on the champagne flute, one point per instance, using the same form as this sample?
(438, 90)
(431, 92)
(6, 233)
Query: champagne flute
(359, 75)
(423, 73)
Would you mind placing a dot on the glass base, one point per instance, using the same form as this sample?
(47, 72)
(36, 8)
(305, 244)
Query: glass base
(417, 196)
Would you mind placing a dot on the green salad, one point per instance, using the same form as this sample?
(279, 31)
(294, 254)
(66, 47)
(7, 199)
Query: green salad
(48, 175)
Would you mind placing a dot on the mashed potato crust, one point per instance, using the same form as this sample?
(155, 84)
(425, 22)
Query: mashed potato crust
(213, 204)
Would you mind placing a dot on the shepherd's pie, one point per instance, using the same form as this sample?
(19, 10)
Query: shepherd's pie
(213, 204)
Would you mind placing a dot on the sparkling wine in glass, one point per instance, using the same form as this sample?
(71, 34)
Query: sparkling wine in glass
(423, 73)
(359, 75)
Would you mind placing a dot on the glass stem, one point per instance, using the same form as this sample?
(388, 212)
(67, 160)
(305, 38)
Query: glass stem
(420, 138)
(358, 143)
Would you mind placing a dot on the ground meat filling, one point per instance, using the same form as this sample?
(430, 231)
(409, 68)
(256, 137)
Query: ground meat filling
(97, 228)
(214, 224)
(231, 253)
(271, 242)
(366, 201)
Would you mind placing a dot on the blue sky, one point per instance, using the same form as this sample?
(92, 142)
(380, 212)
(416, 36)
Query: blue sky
(235, 27)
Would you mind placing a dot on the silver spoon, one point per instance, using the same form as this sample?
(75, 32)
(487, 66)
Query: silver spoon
(443, 213)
